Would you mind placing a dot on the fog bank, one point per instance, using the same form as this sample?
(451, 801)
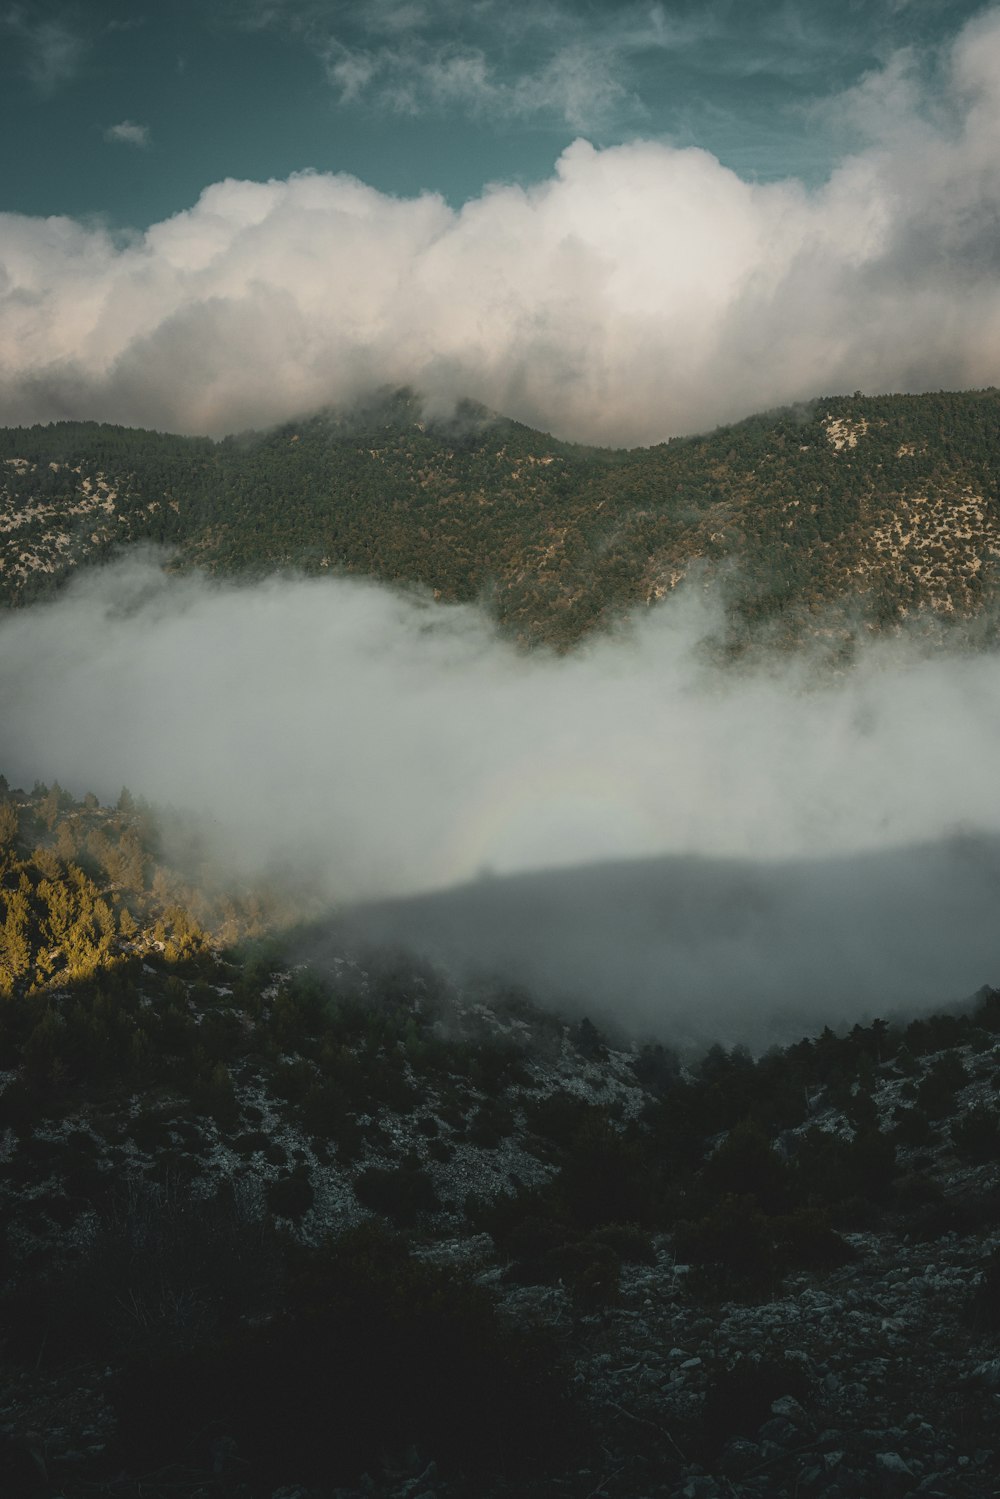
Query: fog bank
(382, 746)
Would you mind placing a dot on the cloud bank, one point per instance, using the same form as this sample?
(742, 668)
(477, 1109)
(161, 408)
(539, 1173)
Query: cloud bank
(382, 746)
(639, 292)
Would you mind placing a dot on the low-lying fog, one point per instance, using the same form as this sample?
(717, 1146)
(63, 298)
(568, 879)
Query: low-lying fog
(772, 843)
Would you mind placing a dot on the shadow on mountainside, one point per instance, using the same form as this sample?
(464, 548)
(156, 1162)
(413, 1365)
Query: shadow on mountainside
(696, 948)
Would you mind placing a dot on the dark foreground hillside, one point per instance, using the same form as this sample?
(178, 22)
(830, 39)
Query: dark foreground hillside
(349, 1228)
(850, 510)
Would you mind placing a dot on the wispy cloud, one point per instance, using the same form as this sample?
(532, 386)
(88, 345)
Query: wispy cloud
(598, 66)
(578, 84)
(516, 62)
(52, 50)
(128, 133)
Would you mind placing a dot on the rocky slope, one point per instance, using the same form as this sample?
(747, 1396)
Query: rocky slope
(759, 1278)
(871, 510)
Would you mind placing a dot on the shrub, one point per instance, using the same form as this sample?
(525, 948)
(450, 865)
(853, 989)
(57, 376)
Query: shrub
(739, 1397)
(656, 1069)
(399, 1192)
(290, 1196)
(915, 1190)
(913, 1128)
(984, 1307)
(631, 1243)
(977, 1135)
(159, 1269)
(733, 1247)
(606, 1178)
(937, 1088)
(375, 1351)
(805, 1241)
(746, 1165)
(489, 1124)
(588, 1040)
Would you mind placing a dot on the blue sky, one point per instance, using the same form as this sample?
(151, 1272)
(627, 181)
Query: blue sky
(128, 110)
(617, 222)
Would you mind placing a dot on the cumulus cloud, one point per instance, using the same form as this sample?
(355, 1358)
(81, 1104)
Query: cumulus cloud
(128, 133)
(731, 841)
(639, 292)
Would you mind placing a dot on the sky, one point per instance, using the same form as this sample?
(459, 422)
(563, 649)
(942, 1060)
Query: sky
(127, 111)
(615, 221)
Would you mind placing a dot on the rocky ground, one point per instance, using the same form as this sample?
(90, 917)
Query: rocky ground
(877, 1375)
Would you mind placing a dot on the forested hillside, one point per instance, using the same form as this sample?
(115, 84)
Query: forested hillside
(512, 1255)
(287, 1214)
(875, 509)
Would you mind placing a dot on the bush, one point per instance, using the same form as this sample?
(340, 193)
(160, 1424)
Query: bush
(746, 1165)
(984, 1307)
(834, 1171)
(399, 1192)
(977, 1135)
(290, 1197)
(160, 1268)
(606, 1178)
(375, 1352)
(632, 1244)
(805, 1241)
(490, 1124)
(913, 1128)
(739, 1397)
(915, 1190)
(733, 1247)
(937, 1088)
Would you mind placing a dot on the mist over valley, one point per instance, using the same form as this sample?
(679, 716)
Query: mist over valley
(719, 850)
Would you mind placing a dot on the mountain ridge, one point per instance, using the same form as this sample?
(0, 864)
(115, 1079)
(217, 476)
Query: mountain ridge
(879, 512)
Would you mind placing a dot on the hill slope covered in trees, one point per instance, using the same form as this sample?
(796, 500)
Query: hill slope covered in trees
(283, 1215)
(346, 1229)
(871, 508)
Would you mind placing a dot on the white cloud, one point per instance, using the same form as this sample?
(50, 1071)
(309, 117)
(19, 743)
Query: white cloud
(640, 291)
(128, 133)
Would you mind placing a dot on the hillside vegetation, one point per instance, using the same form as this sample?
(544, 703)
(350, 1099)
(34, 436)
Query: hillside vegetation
(870, 509)
(351, 1231)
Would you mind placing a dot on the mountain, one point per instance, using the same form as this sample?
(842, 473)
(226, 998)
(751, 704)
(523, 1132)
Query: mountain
(696, 947)
(343, 1228)
(876, 510)
(353, 1209)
